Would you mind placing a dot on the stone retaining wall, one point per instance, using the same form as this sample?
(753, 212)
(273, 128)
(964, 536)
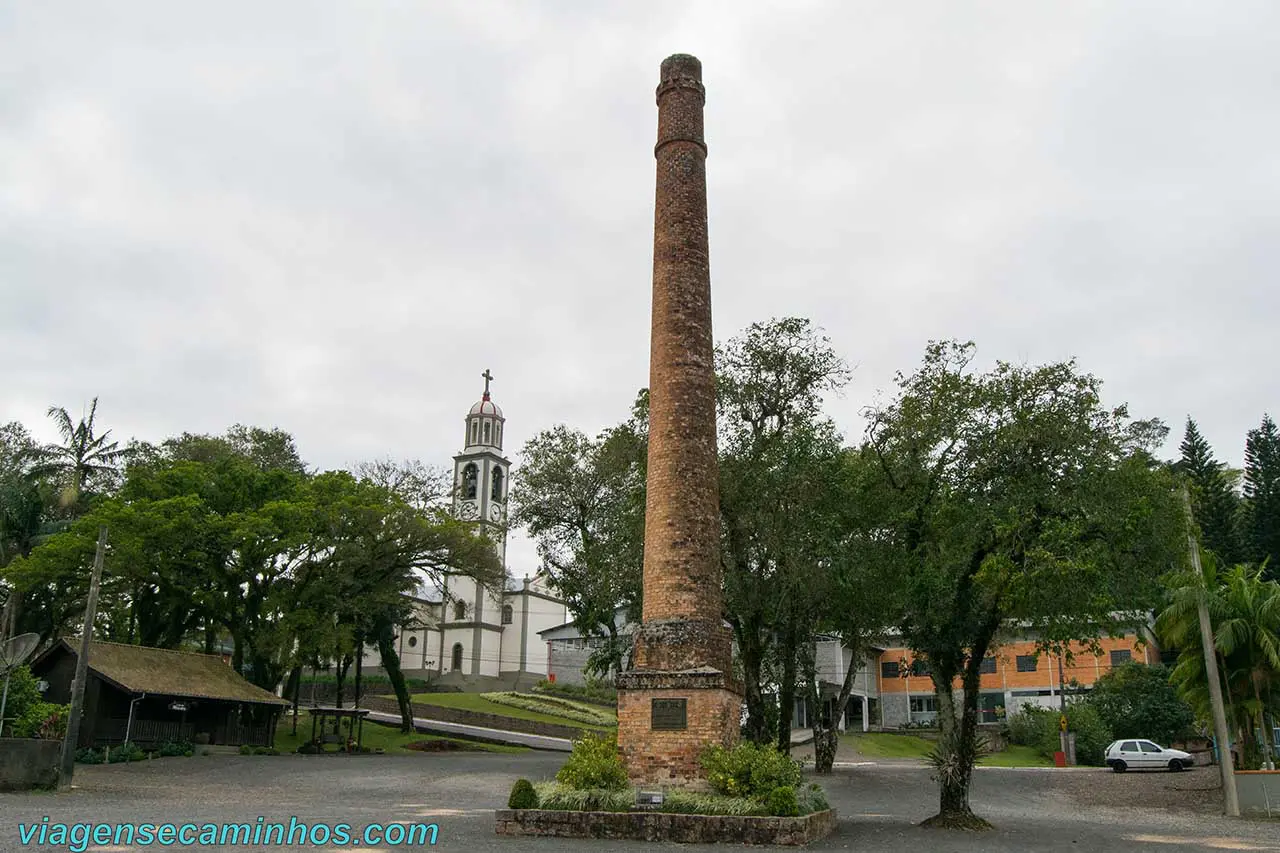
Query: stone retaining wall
(660, 826)
(27, 763)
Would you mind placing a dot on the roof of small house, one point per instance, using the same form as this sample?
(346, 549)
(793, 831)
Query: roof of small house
(169, 672)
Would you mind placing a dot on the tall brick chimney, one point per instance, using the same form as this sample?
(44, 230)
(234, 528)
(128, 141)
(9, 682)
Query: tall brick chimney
(681, 696)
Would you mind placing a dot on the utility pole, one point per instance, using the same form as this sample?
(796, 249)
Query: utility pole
(1220, 734)
(82, 668)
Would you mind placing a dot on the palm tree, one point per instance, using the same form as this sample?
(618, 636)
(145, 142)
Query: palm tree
(83, 459)
(1245, 611)
(1250, 637)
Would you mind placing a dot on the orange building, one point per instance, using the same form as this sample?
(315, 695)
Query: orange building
(1013, 675)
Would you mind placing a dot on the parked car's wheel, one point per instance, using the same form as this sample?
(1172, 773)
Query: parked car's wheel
(1176, 765)
(1119, 766)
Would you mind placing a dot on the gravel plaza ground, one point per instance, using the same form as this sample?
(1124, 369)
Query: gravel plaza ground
(1082, 810)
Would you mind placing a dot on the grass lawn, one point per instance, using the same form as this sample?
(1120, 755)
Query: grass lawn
(476, 702)
(1016, 756)
(376, 736)
(887, 745)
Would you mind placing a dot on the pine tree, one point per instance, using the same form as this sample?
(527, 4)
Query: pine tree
(1215, 505)
(1262, 491)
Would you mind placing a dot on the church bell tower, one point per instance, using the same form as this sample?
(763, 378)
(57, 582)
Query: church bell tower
(480, 471)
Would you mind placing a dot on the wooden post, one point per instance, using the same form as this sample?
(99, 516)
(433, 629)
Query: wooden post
(1220, 734)
(82, 668)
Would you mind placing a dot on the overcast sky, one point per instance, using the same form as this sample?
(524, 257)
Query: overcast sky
(332, 217)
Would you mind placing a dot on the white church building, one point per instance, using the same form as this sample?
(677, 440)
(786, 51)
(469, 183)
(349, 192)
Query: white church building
(467, 634)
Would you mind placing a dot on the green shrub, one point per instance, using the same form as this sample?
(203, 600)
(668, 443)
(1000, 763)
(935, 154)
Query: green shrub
(88, 755)
(125, 752)
(170, 748)
(749, 770)
(1026, 727)
(245, 749)
(41, 720)
(563, 798)
(812, 799)
(23, 693)
(600, 692)
(691, 802)
(523, 796)
(1135, 700)
(594, 764)
(782, 802)
(1092, 735)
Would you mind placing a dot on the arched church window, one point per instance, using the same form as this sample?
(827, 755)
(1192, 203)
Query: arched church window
(497, 434)
(486, 431)
(459, 611)
(470, 475)
(507, 614)
(457, 656)
(475, 427)
(495, 492)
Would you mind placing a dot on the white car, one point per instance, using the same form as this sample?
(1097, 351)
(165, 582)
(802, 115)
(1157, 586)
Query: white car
(1136, 754)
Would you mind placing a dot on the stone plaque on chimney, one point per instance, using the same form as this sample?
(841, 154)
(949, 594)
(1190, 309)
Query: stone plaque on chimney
(669, 715)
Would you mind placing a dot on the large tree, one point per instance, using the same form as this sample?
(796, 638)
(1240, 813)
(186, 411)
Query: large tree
(1214, 503)
(582, 500)
(1244, 610)
(1262, 492)
(1010, 498)
(779, 458)
(380, 549)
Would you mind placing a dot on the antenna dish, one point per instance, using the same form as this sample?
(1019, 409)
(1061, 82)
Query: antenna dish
(16, 650)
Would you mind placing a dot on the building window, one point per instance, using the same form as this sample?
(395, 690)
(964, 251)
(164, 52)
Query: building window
(506, 614)
(889, 669)
(920, 667)
(497, 434)
(475, 427)
(1027, 663)
(495, 492)
(413, 641)
(1120, 656)
(924, 704)
(459, 611)
(470, 476)
(988, 666)
(487, 426)
(457, 656)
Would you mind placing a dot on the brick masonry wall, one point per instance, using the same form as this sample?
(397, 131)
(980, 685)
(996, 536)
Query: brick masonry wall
(658, 826)
(1085, 668)
(682, 516)
(664, 757)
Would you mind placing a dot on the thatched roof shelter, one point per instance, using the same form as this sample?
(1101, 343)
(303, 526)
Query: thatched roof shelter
(166, 672)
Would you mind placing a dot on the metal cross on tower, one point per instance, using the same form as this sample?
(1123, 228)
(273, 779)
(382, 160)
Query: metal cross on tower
(487, 378)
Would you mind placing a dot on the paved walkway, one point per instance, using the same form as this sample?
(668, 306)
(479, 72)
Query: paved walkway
(423, 724)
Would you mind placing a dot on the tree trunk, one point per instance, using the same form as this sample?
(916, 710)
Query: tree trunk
(751, 653)
(295, 679)
(391, 663)
(340, 675)
(787, 689)
(359, 668)
(824, 751)
(956, 754)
